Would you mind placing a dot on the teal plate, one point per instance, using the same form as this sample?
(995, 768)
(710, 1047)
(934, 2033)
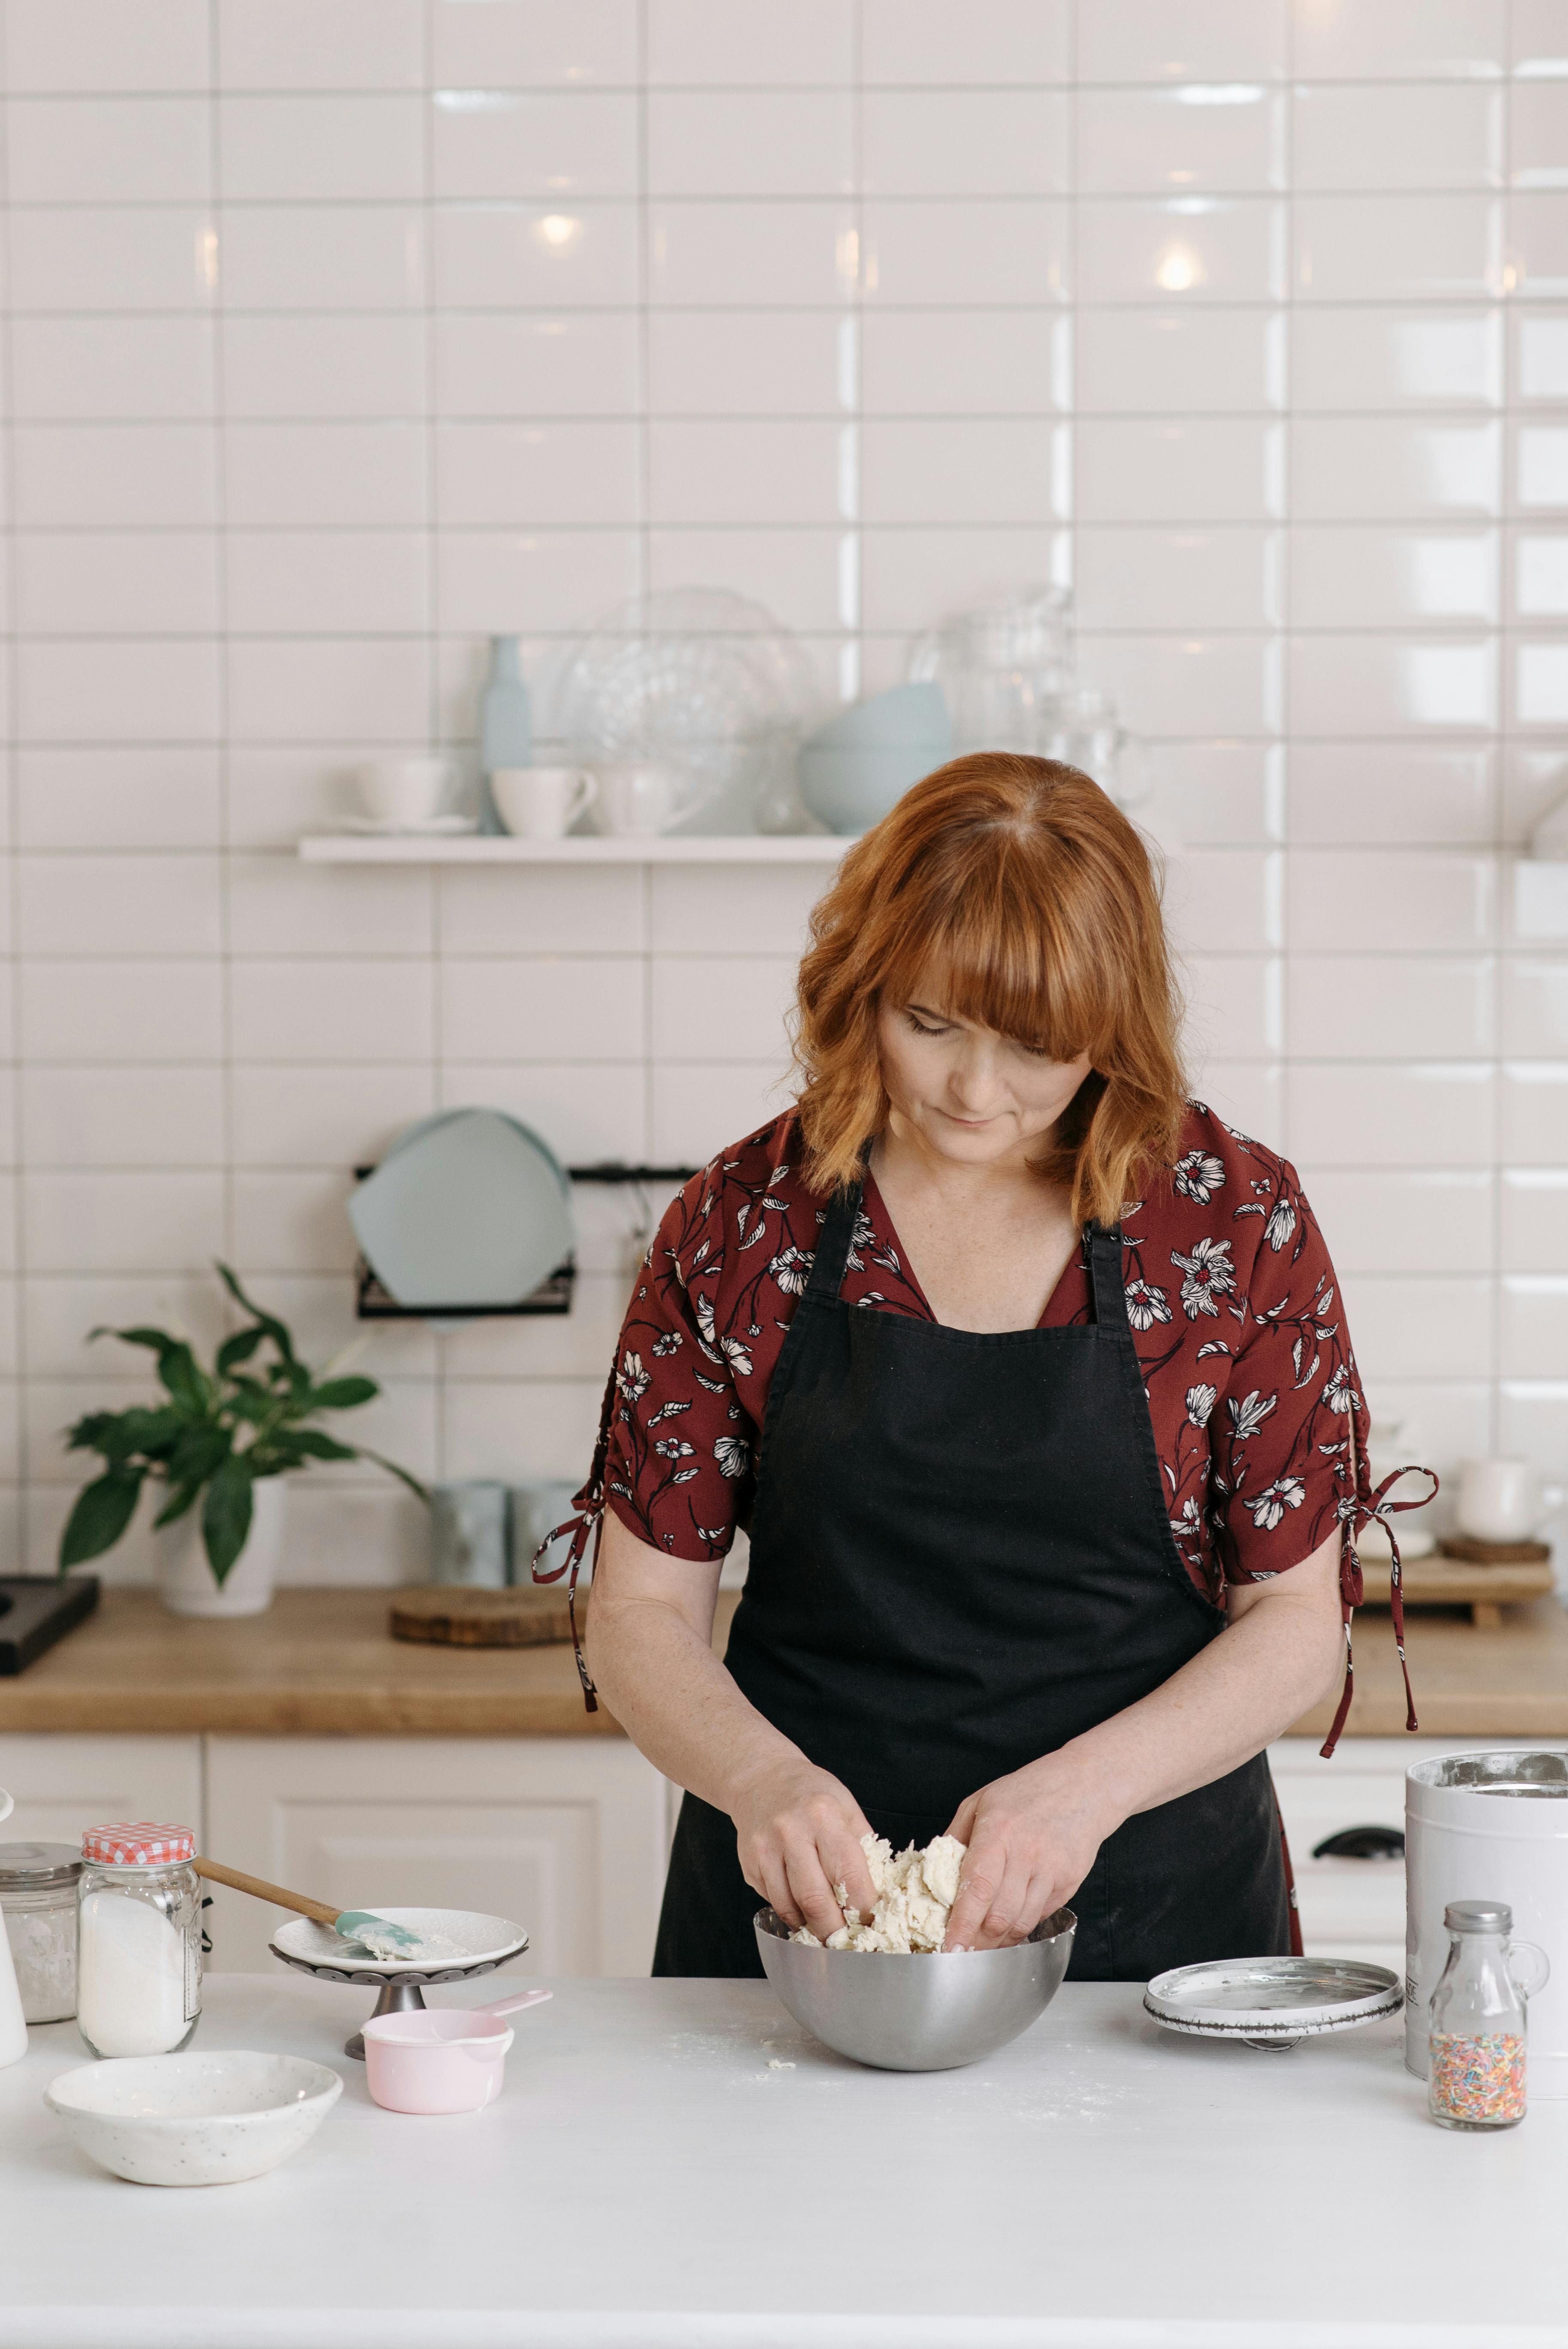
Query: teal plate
(468, 1207)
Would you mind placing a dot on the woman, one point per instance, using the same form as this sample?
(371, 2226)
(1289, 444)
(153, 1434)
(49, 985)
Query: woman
(1028, 1377)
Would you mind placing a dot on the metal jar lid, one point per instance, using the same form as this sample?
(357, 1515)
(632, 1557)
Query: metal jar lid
(1478, 1916)
(35, 1867)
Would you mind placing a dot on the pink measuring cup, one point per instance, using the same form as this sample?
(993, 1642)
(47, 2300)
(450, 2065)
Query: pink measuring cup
(442, 2060)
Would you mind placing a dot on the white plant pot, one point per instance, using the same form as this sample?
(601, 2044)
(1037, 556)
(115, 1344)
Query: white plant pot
(188, 1583)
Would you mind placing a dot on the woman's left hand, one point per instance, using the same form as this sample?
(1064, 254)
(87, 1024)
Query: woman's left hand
(1032, 1839)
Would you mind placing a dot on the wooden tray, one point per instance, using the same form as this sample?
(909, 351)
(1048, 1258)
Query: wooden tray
(1489, 1553)
(449, 1615)
(1486, 1590)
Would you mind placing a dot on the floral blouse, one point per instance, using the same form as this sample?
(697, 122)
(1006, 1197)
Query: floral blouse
(1234, 1311)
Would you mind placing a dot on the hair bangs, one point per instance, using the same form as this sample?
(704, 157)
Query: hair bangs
(995, 960)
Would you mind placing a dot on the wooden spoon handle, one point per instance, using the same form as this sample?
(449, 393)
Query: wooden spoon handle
(322, 1910)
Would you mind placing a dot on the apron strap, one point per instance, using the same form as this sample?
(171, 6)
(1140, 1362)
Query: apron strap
(1105, 1273)
(834, 1238)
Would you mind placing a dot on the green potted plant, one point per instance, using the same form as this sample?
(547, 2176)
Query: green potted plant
(220, 1443)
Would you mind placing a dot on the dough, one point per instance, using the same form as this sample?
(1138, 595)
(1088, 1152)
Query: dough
(914, 1894)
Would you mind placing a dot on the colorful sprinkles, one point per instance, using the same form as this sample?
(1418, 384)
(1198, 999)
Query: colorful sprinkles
(1478, 2077)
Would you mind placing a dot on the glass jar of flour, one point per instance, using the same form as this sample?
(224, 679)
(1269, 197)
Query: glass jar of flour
(139, 1951)
(38, 1910)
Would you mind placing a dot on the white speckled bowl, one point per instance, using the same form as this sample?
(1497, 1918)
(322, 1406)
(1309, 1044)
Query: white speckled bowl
(195, 2120)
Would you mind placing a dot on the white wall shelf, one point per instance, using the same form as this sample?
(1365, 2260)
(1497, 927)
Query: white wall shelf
(479, 848)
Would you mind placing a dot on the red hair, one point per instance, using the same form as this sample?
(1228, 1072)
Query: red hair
(1026, 887)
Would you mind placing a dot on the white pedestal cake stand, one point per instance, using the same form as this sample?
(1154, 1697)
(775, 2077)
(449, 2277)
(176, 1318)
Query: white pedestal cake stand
(485, 1943)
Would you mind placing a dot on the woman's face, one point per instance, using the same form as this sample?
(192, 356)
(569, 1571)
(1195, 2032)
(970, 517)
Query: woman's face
(965, 1093)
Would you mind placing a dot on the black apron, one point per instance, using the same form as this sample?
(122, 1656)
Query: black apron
(961, 1558)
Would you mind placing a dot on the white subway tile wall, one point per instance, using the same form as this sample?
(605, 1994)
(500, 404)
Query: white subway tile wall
(340, 333)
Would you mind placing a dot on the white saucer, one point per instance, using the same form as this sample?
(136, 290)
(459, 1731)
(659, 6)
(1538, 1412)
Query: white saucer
(1272, 2000)
(479, 1940)
(381, 828)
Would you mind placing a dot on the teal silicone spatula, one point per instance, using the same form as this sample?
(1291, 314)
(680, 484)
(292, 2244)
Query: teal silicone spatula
(377, 1935)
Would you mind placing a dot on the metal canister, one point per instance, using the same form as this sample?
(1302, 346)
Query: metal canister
(1489, 1826)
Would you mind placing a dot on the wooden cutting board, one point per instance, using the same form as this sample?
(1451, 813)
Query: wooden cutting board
(449, 1615)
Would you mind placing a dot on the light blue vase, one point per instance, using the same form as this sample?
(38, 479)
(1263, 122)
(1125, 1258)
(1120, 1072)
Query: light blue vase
(506, 723)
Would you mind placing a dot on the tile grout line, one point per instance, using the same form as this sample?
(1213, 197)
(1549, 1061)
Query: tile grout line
(23, 1537)
(220, 482)
(852, 677)
(1500, 913)
(436, 892)
(1284, 425)
(644, 527)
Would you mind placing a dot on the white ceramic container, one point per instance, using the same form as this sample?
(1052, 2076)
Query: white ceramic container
(641, 799)
(187, 1582)
(404, 791)
(197, 2119)
(1503, 1500)
(542, 803)
(1486, 1826)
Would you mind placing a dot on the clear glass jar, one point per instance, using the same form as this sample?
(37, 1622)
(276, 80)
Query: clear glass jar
(138, 1964)
(1477, 2016)
(38, 1905)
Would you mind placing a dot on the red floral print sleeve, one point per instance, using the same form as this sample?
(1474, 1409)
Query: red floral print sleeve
(1231, 1294)
(1261, 1451)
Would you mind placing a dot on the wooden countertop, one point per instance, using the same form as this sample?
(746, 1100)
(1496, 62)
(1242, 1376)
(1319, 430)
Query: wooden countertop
(323, 1663)
(320, 1663)
(1512, 1681)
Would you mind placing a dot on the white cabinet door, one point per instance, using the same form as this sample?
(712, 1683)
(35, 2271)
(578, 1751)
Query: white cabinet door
(1356, 1907)
(63, 1783)
(566, 1834)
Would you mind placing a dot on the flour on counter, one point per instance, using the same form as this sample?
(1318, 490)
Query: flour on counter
(914, 1894)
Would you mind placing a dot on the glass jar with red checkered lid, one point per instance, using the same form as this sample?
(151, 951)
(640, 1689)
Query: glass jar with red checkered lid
(139, 1954)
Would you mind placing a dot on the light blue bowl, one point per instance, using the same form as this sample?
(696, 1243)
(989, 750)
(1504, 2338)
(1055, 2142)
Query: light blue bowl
(857, 767)
(850, 791)
(906, 715)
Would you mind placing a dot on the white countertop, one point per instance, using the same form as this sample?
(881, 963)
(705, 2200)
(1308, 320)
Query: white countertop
(646, 2180)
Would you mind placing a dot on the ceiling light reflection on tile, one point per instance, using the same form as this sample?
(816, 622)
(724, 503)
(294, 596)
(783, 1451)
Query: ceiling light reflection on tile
(1179, 269)
(1451, 578)
(1448, 685)
(1224, 93)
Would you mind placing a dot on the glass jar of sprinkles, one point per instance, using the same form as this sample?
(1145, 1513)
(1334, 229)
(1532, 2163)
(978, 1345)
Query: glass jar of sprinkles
(1477, 2019)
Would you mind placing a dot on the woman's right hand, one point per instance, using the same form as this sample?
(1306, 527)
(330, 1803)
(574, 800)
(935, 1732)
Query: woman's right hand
(797, 1830)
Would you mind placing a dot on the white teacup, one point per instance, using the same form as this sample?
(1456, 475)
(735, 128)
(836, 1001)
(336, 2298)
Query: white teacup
(1503, 1500)
(646, 799)
(404, 791)
(542, 803)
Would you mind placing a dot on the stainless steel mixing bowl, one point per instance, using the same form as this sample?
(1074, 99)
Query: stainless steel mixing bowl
(917, 2013)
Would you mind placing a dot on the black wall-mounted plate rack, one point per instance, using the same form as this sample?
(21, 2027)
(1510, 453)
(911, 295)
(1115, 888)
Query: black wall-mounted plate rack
(374, 1303)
